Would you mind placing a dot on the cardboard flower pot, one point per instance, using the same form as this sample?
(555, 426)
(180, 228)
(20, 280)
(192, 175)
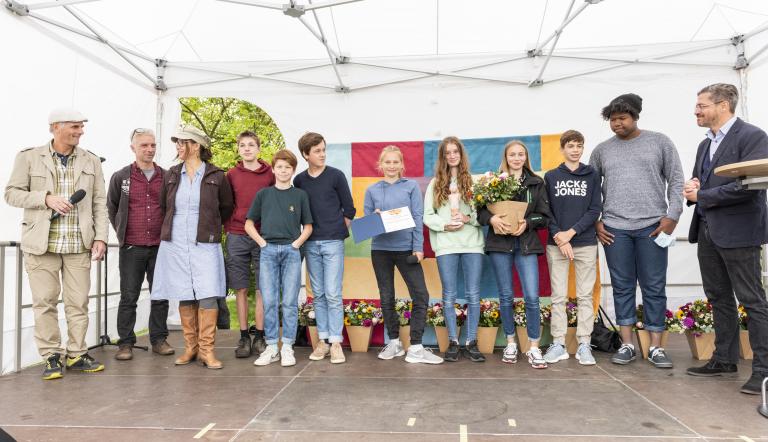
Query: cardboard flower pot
(644, 341)
(441, 332)
(745, 350)
(405, 336)
(313, 337)
(486, 339)
(571, 341)
(359, 337)
(523, 344)
(514, 211)
(702, 346)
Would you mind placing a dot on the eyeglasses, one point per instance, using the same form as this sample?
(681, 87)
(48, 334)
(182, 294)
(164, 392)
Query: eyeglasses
(141, 131)
(704, 106)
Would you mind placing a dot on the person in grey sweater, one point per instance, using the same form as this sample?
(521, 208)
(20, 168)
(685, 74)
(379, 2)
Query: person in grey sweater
(642, 202)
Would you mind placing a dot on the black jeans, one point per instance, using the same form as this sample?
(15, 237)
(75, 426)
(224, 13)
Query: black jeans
(384, 263)
(723, 273)
(135, 263)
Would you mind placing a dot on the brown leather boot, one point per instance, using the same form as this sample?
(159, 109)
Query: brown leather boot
(207, 319)
(190, 328)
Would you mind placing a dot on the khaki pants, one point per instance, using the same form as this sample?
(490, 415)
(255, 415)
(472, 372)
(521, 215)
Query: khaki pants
(47, 273)
(585, 262)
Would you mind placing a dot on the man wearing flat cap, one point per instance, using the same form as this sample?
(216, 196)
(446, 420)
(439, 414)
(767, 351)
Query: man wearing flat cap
(60, 236)
(642, 202)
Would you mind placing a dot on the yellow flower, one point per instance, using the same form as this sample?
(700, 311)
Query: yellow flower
(494, 315)
(370, 309)
(479, 198)
(359, 316)
(346, 321)
(679, 314)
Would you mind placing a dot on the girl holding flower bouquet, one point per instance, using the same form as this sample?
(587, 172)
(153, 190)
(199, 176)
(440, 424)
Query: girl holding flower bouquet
(456, 237)
(403, 249)
(517, 245)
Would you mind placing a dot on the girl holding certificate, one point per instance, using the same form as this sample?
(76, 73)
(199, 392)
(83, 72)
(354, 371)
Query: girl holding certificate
(518, 246)
(403, 249)
(456, 237)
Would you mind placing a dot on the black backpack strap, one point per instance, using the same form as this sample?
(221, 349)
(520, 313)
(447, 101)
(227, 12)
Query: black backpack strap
(604, 316)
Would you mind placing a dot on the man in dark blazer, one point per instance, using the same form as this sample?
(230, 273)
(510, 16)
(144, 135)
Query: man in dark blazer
(730, 227)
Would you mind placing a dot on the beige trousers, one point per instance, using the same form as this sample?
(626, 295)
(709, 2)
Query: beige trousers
(585, 263)
(47, 273)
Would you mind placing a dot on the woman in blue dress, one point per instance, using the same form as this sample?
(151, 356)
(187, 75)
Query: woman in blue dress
(196, 200)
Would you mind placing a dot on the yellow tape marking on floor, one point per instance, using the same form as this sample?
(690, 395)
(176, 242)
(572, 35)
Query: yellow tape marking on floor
(202, 432)
(512, 422)
(411, 421)
(462, 433)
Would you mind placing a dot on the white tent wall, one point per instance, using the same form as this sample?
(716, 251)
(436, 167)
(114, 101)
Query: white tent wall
(40, 73)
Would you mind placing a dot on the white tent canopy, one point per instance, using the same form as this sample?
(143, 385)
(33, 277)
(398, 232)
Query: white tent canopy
(377, 70)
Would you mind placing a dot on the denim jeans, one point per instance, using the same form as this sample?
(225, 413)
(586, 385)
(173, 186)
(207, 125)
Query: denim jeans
(325, 264)
(384, 263)
(280, 274)
(635, 258)
(528, 269)
(135, 263)
(472, 265)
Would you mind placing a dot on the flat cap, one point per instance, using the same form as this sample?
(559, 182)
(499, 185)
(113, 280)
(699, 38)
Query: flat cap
(65, 114)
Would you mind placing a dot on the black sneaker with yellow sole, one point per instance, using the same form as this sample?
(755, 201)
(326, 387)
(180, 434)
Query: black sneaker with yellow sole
(53, 368)
(84, 363)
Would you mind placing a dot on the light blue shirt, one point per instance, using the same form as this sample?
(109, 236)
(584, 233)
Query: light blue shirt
(715, 139)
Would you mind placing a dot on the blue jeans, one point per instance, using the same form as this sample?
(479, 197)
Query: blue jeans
(325, 264)
(472, 265)
(280, 273)
(528, 269)
(635, 258)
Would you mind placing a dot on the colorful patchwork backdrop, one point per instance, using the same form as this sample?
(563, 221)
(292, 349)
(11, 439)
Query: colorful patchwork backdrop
(358, 161)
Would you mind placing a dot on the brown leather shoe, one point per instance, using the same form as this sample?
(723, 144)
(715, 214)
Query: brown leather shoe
(124, 352)
(189, 325)
(162, 348)
(207, 337)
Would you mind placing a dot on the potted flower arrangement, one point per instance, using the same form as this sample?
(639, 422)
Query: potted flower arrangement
(403, 309)
(496, 190)
(697, 323)
(307, 319)
(644, 337)
(521, 324)
(490, 320)
(745, 350)
(359, 319)
(571, 314)
(436, 318)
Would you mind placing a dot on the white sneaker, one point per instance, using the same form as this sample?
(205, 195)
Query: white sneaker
(393, 349)
(268, 356)
(418, 354)
(556, 353)
(510, 353)
(535, 358)
(286, 356)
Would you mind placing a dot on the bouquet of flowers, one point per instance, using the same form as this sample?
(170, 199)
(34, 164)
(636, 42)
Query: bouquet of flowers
(361, 313)
(571, 312)
(672, 324)
(461, 313)
(742, 317)
(403, 309)
(519, 312)
(696, 317)
(493, 187)
(489, 313)
(435, 315)
(307, 313)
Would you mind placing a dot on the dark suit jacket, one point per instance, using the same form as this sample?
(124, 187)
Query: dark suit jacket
(736, 218)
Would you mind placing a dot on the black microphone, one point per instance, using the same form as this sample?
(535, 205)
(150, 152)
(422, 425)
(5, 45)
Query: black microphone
(412, 259)
(74, 199)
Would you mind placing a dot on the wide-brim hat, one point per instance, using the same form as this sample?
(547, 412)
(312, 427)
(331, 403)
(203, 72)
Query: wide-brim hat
(186, 132)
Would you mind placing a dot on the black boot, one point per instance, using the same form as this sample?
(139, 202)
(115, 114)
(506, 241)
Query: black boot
(473, 353)
(243, 349)
(452, 353)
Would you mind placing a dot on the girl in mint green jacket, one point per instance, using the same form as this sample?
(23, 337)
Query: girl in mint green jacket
(456, 236)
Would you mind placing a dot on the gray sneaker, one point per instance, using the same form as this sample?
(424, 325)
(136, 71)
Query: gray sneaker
(510, 353)
(624, 356)
(418, 354)
(393, 349)
(584, 355)
(659, 358)
(555, 353)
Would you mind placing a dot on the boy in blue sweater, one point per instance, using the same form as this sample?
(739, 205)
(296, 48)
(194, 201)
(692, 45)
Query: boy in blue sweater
(574, 199)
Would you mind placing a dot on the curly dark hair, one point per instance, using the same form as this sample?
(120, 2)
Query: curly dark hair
(619, 107)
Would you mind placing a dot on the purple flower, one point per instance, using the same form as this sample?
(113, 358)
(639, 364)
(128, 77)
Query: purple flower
(366, 322)
(688, 322)
(407, 314)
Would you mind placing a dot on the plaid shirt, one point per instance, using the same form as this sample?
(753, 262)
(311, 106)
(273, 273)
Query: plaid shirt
(145, 217)
(64, 235)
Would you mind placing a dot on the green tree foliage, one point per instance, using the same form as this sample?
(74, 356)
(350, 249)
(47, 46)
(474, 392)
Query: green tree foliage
(223, 118)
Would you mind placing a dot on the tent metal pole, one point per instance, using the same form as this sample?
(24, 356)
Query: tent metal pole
(384, 83)
(331, 54)
(627, 60)
(92, 37)
(245, 75)
(204, 82)
(758, 53)
(328, 4)
(159, 108)
(568, 19)
(58, 3)
(441, 73)
(756, 31)
(492, 63)
(296, 69)
(255, 3)
(558, 32)
(319, 36)
(108, 43)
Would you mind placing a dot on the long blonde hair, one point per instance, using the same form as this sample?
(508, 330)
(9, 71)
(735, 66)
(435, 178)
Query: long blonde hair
(391, 149)
(443, 173)
(504, 167)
